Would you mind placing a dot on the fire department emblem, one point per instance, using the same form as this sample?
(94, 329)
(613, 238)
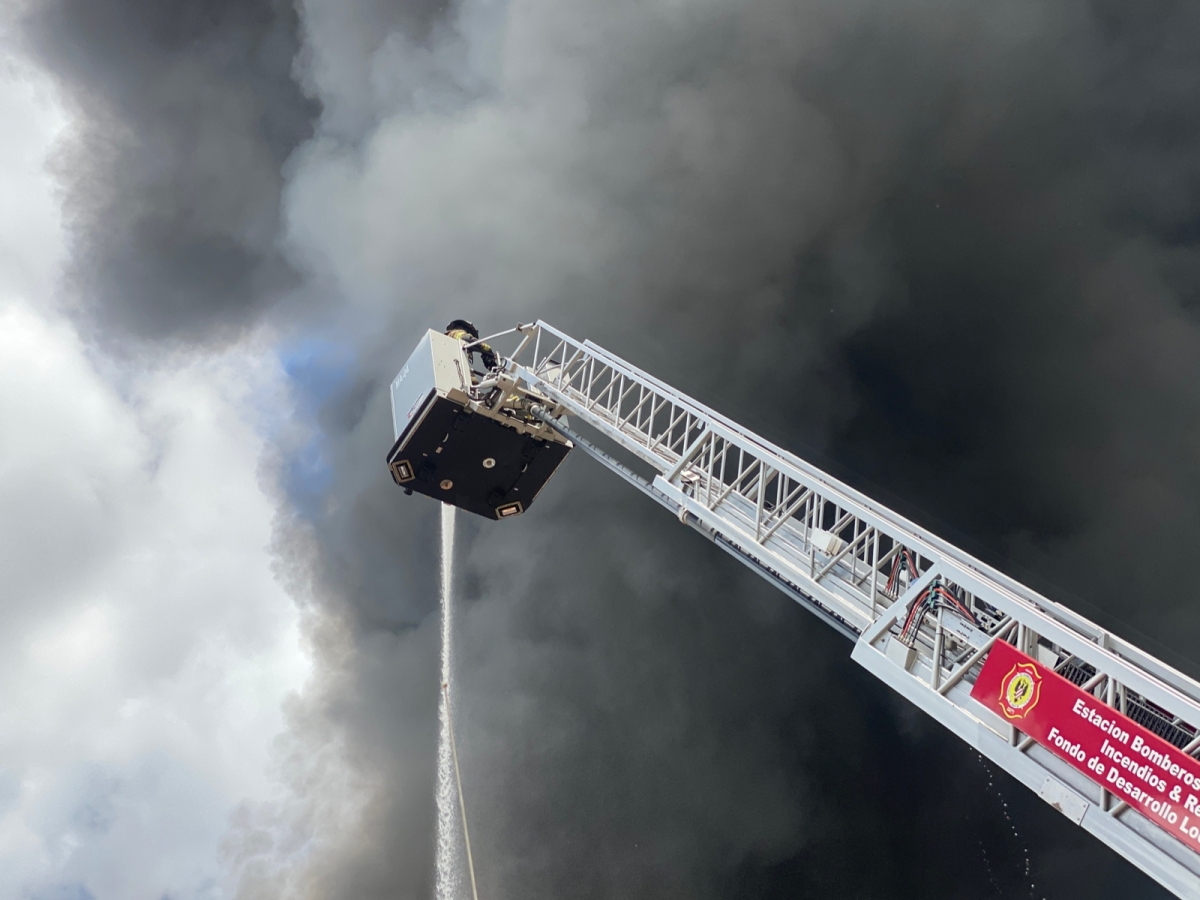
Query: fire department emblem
(1020, 690)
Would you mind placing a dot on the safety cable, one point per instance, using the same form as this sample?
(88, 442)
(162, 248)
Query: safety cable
(462, 806)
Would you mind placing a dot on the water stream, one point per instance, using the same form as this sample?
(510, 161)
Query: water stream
(449, 871)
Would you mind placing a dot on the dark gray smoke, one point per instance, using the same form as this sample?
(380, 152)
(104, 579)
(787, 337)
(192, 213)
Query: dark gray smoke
(947, 249)
(188, 113)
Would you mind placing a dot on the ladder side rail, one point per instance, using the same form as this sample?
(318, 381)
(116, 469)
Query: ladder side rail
(915, 533)
(616, 432)
(1136, 839)
(744, 525)
(738, 530)
(886, 520)
(1084, 646)
(1036, 623)
(789, 542)
(763, 509)
(759, 566)
(602, 395)
(1103, 659)
(1140, 841)
(575, 403)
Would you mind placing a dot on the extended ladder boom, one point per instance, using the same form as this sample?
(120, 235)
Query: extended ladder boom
(926, 617)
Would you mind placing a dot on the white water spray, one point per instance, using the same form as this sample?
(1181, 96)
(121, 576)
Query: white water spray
(449, 844)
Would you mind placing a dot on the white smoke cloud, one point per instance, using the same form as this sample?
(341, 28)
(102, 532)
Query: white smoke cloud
(146, 649)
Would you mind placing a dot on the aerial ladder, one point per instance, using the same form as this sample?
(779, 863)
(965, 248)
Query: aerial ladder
(1101, 730)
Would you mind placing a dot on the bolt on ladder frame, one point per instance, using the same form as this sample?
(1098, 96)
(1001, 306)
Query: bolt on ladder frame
(833, 550)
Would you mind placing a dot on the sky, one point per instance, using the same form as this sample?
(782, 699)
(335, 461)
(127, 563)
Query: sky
(948, 251)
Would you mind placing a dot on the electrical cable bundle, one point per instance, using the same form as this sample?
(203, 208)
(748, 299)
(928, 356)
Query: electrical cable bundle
(937, 594)
(902, 561)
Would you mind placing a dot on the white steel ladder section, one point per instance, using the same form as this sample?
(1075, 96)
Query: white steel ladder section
(858, 565)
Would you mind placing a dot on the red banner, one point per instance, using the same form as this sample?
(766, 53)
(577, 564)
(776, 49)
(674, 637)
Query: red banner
(1132, 763)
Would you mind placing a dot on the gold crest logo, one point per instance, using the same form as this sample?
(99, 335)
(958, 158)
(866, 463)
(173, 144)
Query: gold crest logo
(1020, 690)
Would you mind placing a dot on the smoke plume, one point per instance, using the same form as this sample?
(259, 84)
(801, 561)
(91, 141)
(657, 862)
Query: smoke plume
(946, 249)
